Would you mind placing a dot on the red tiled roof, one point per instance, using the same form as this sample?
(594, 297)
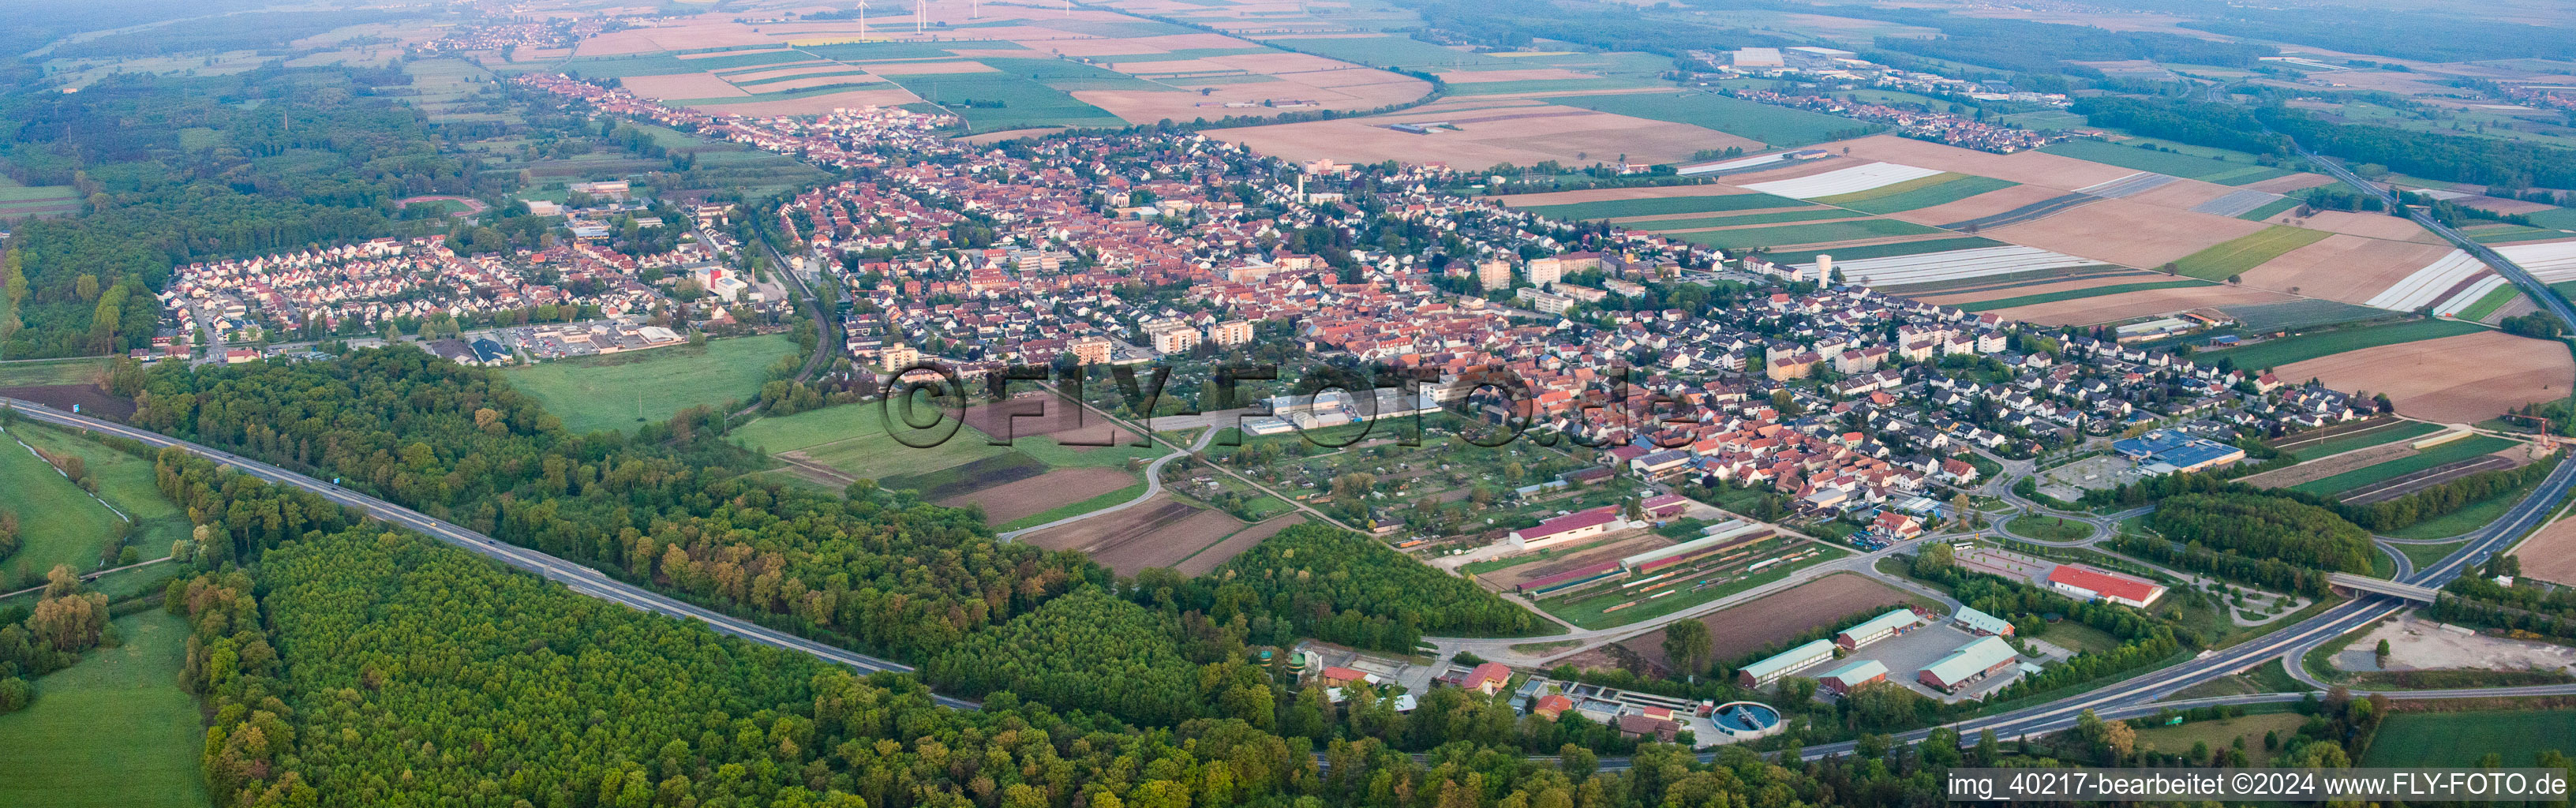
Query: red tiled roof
(2107, 584)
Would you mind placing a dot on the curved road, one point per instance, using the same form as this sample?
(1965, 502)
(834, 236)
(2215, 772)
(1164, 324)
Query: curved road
(1153, 488)
(574, 576)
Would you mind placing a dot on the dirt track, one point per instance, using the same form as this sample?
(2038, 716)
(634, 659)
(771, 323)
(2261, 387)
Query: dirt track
(2404, 484)
(2327, 467)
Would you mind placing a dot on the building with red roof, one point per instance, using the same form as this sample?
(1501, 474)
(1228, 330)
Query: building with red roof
(1488, 678)
(2086, 583)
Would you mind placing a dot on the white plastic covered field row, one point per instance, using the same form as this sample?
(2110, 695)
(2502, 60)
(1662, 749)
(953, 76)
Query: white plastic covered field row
(1903, 270)
(2550, 262)
(1844, 181)
(2422, 287)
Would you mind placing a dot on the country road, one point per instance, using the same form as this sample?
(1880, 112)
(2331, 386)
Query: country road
(574, 576)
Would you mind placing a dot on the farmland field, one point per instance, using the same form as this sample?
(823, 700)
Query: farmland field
(2221, 733)
(2269, 209)
(2073, 294)
(20, 201)
(1661, 225)
(1745, 628)
(852, 438)
(619, 391)
(1902, 248)
(2385, 433)
(1591, 612)
(2453, 451)
(57, 522)
(1749, 237)
(1777, 126)
(2459, 739)
(1392, 51)
(2298, 314)
(1908, 196)
(2235, 256)
(1952, 266)
(2162, 162)
(51, 371)
(1654, 206)
(1024, 102)
(2283, 351)
(113, 730)
(125, 481)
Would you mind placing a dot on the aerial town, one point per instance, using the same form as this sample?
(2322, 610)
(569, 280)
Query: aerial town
(1218, 404)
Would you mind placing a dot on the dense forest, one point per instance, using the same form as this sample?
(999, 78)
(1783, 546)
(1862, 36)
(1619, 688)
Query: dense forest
(2507, 164)
(2038, 47)
(2265, 527)
(1346, 588)
(362, 666)
(2202, 123)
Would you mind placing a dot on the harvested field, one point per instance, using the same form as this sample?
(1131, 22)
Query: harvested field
(1157, 533)
(1048, 416)
(2462, 379)
(816, 104)
(2028, 168)
(811, 82)
(1617, 194)
(2294, 182)
(2348, 268)
(1484, 76)
(927, 68)
(2126, 305)
(1215, 555)
(2368, 225)
(683, 85)
(1012, 501)
(2550, 553)
(1739, 630)
(2314, 470)
(86, 397)
(1953, 298)
(2182, 193)
(2119, 231)
(1522, 136)
(1990, 203)
(764, 73)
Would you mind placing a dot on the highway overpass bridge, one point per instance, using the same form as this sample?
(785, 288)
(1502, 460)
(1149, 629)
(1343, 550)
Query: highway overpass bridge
(2381, 586)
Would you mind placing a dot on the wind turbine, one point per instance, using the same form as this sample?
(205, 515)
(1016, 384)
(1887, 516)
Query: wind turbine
(863, 20)
(920, 14)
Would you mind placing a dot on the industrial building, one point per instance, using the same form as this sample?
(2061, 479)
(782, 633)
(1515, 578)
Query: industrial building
(1575, 526)
(1785, 663)
(1982, 624)
(2166, 451)
(1878, 628)
(1844, 679)
(1983, 657)
(2086, 583)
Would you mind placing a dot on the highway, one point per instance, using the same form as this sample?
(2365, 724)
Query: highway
(574, 576)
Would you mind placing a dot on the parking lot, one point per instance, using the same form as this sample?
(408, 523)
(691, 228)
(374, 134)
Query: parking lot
(1907, 653)
(2070, 481)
